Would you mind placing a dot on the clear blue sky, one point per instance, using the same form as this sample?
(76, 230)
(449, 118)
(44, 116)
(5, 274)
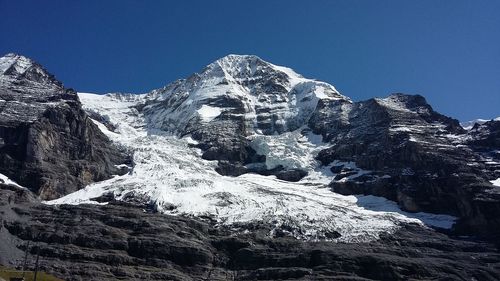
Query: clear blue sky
(445, 50)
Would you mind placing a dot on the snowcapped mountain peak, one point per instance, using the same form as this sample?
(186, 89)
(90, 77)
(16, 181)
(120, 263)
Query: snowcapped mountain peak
(18, 67)
(234, 59)
(13, 62)
(239, 63)
(246, 68)
(269, 98)
(237, 66)
(27, 89)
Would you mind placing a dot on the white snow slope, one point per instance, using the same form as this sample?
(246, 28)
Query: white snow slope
(170, 173)
(6, 180)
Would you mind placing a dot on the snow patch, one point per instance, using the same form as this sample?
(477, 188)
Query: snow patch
(289, 149)
(496, 182)
(208, 113)
(381, 204)
(102, 127)
(392, 103)
(6, 180)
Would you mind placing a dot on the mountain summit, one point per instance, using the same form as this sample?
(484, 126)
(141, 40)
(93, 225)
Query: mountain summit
(263, 97)
(250, 70)
(21, 68)
(15, 64)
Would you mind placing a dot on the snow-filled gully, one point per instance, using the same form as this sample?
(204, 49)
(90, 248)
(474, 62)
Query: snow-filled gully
(170, 173)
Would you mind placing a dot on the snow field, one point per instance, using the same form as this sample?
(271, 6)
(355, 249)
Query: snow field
(169, 173)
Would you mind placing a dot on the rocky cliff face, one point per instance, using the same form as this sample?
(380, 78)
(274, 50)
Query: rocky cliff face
(485, 136)
(412, 155)
(121, 242)
(47, 142)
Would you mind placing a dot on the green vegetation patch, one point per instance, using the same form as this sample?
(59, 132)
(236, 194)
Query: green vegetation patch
(6, 273)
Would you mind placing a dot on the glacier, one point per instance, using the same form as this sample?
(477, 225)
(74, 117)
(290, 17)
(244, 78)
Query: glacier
(169, 173)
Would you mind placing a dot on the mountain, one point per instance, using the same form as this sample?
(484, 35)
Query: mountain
(417, 157)
(47, 142)
(253, 117)
(245, 170)
(233, 98)
(264, 97)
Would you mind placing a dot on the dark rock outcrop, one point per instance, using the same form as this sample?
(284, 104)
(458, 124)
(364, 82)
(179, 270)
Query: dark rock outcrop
(485, 136)
(414, 156)
(121, 241)
(47, 142)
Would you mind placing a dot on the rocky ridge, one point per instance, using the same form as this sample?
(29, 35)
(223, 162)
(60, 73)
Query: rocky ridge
(47, 142)
(415, 156)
